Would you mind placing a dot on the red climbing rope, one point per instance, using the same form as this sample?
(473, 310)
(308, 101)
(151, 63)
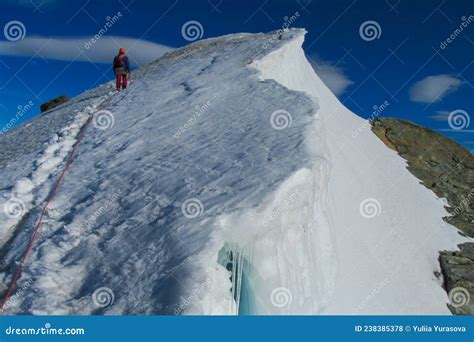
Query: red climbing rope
(51, 196)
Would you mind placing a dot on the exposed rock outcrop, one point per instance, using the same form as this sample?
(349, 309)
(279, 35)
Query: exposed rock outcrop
(458, 273)
(447, 168)
(440, 163)
(53, 103)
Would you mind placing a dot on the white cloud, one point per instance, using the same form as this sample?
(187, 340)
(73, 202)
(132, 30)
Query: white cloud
(69, 49)
(434, 88)
(333, 76)
(441, 115)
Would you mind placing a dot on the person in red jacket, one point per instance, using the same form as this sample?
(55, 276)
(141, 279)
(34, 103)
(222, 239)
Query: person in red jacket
(121, 68)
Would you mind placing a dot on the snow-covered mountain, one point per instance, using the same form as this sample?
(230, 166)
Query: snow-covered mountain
(227, 179)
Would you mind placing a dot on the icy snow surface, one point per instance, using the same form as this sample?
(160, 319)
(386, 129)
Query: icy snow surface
(229, 182)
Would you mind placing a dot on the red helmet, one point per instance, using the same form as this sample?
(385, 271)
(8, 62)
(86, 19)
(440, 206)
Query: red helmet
(121, 51)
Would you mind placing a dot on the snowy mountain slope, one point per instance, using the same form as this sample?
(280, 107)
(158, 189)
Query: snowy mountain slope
(388, 259)
(28, 165)
(227, 153)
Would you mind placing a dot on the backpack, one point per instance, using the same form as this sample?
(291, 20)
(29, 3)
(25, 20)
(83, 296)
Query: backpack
(119, 62)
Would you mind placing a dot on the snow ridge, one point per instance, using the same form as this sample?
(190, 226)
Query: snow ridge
(25, 193)
(283, 255)
(248, 134)
(118, 220)
(380, 213)
(287, 262)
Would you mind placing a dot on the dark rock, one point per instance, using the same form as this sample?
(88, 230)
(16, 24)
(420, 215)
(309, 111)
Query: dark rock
(458, 273)
(447, 169)
(53, 103)
(441, 164)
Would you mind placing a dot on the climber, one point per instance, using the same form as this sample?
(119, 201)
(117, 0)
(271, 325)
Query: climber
(121, 69)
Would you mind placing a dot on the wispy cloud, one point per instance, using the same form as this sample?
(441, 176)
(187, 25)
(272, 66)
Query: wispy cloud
(434, 88)
(333, 76)
(74, 49)
(441, 115)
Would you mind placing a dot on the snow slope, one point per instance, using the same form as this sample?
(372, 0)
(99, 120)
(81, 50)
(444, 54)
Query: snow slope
(386, 228)
(227, 181)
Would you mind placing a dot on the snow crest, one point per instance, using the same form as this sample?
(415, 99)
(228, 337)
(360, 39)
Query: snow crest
(241, 128)
(282, 254)
(339, 237)
(22, 197)
(388, 228)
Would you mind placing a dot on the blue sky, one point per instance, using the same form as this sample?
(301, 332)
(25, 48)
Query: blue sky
(407, 67)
